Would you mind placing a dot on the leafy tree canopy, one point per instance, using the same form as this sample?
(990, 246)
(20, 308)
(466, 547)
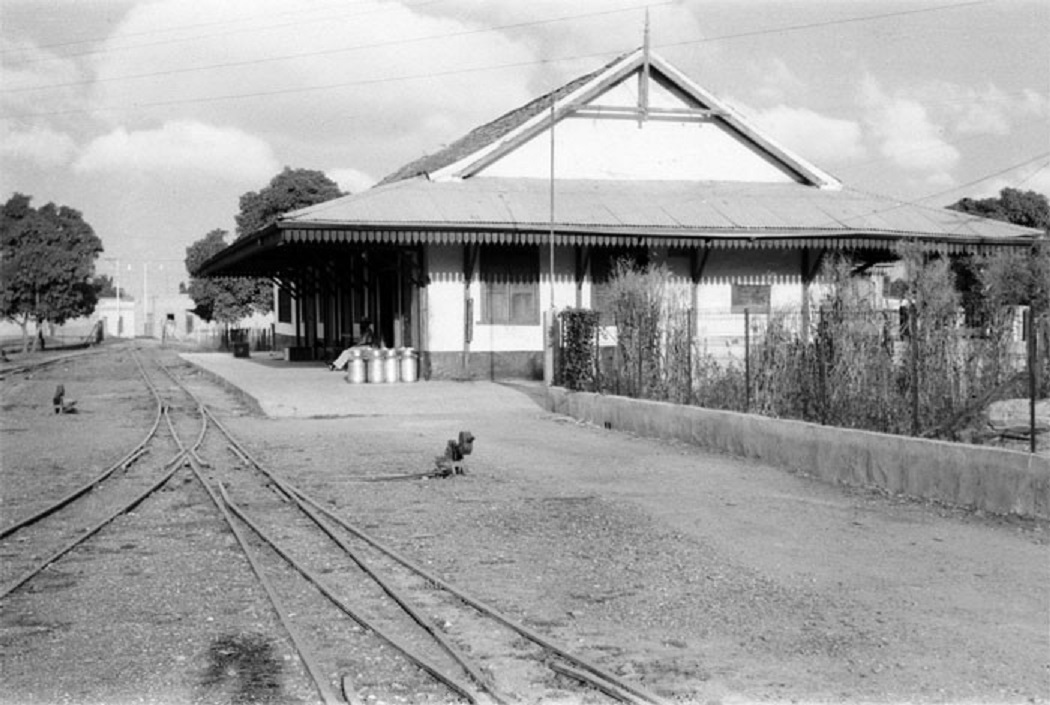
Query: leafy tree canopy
(289, 190)
(224, 299)
(48, 260)
(1015, 278)
(106, 288)
(1026, 208)
(229, 299)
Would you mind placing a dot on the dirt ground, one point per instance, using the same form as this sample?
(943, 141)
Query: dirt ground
(705, 577)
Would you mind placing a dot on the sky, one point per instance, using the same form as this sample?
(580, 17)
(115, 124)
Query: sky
(153, 117)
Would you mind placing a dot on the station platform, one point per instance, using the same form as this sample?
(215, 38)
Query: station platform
(283, 389)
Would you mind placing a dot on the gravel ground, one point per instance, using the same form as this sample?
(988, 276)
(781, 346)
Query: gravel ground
(703, 577)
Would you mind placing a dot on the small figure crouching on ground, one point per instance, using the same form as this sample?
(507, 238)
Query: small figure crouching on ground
(452, 462)
(59, 402)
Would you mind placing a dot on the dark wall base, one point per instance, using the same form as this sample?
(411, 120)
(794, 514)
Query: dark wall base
(483, 365)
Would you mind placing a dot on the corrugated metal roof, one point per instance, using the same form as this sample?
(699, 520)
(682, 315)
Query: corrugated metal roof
(670, 208)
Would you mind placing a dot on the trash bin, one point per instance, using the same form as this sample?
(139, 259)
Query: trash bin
(240, 349)
(389, 365)
(355, 368)
(409, 365)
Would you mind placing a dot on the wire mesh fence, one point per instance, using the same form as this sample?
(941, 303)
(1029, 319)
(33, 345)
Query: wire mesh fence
(897, 371)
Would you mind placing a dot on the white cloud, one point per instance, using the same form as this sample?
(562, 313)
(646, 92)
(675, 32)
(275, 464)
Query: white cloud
(907, 135)
(776, 82)
(991, 111)
(184, 146)
(813, 136)
(377, 75)
(351, 180)
(24, 67)
(41, 146)
(1038, 181)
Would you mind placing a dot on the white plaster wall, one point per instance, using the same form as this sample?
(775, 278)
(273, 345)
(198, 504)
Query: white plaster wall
(446, 309)
(445, 298)
(591, 148)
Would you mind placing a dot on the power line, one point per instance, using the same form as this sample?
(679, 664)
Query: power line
(918, 201)
(992, 175)
(94, 40)
(496, 67)
(340, 50)
(940, 145)
(829, 23)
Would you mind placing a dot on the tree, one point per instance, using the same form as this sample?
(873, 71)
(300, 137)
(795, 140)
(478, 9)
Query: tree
(47, 260)
(1014, 278)
(105, 288)
(224, 299)
(289, 190)
(228, 299)
(1027, 208)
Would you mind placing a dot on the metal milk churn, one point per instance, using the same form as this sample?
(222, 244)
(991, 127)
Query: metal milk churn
(375, 366)
(409, 365)
(389, 365)
(355, 369)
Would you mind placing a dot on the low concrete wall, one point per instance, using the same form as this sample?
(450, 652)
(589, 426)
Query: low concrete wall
(991, 479)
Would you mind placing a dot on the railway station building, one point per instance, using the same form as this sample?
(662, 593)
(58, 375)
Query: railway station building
(463, 253)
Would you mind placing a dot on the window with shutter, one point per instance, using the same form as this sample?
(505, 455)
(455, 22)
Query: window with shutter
(510, 285)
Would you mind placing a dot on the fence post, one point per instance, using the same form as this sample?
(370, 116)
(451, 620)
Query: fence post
(689, 335)
(1031, 380)
(747, 360)
(596, 331)
(639, 350)
(913, 327)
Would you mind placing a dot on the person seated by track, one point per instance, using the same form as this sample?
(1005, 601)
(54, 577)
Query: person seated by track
(367, 341)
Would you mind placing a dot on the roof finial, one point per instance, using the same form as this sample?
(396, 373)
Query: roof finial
(643, 87)
(645, 37)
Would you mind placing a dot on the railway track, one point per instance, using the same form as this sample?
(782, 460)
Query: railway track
(336, 590)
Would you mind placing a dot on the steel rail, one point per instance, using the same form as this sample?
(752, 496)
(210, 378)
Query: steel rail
(610, 689)
(485, 608)
(478, 604)
(305, 654)
(427, 625)
(307, 657)
(32, 366)
(456, 654)
(175, 464)
(454, 684)
(121, 464)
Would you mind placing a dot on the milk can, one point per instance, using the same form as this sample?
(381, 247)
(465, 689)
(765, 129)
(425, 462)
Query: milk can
(375, 366)
(389, 365)
(355, 368)
(409, 365)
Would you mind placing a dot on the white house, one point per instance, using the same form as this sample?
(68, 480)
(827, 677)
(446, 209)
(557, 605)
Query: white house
(459, 253)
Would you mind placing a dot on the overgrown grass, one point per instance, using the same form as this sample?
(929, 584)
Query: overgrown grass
(925, 370)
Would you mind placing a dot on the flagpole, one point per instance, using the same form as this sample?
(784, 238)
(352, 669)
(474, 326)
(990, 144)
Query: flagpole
(552, 207)
(549, 322)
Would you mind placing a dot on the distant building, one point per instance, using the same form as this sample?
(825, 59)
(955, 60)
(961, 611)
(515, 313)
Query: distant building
(460, 253)
(117, 316)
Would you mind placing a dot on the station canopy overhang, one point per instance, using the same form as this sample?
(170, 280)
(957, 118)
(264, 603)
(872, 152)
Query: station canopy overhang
(604, 213)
